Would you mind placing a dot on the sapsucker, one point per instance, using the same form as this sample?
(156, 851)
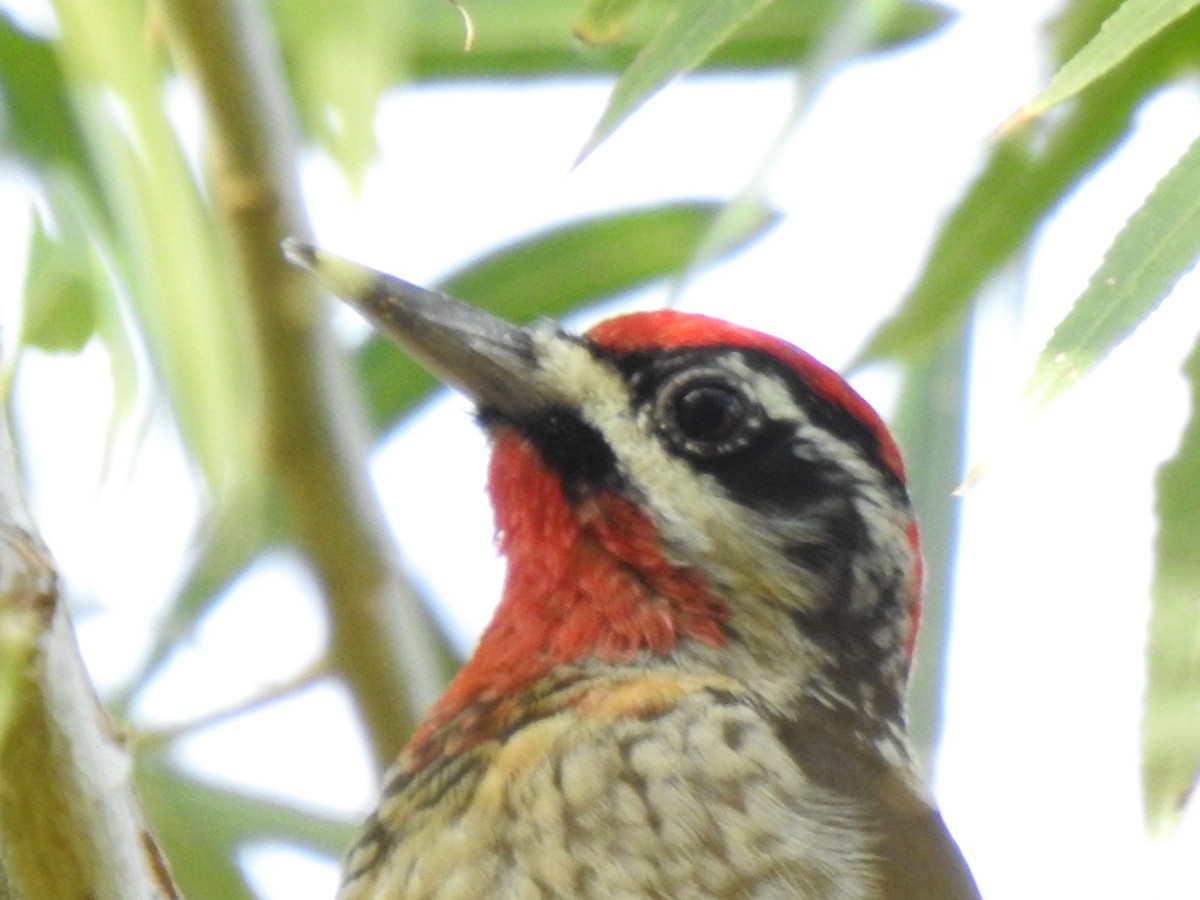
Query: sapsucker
(694, 683)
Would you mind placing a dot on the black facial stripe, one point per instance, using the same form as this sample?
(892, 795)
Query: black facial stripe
(844, 626)
(570, 446)
(768, 474)
(646, 372)
(843, 536)
(855, 661)
(850, 429)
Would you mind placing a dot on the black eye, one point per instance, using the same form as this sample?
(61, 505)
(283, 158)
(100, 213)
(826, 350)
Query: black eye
(706, 413)
(710, 412)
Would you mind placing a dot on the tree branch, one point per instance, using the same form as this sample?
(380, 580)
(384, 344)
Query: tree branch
(70, 825)
(384, 643)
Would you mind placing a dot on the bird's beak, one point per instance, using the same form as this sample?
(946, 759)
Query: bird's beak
(491, 361)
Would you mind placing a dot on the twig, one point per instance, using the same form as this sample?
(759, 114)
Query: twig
(152, 739)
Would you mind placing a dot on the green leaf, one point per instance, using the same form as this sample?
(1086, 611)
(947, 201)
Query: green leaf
(392, 383)
(551, 274)
(1000, 212)
(1156, 247)
(69, 291)
(201, 826)
(171, 264)
(341, 57)
(930, 424)
(38, 123)
(1133, 24)
(554, 272)
(538, 43)
(60, 302)
(1171, 723)
(1075, 24)
(690, 33)
(747, 34)
(1025, 178)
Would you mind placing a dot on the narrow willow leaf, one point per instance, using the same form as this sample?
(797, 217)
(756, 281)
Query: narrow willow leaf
(341, 57)
(1025, 178)
(60, 294)
(172, 266)
(38, 123)
(1133, 24)
(538, 43)
(1074, 25)
(392, 382)
(604, 21)
(201, 827)
(551, 274)
(930, 423)
(69, 293)
(1000, 212)
(1159, 244)
(586, 261)
(1171, 723)
(693, 30)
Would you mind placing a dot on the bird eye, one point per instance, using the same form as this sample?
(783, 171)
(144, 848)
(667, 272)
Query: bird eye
(702, 413)
(709, 412)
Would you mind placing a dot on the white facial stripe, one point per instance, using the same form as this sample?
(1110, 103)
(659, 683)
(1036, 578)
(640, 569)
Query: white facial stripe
(692, 510)
(771, 393)
(777, 401)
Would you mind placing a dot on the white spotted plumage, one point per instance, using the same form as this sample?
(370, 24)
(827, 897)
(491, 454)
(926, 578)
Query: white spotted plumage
(618, 809)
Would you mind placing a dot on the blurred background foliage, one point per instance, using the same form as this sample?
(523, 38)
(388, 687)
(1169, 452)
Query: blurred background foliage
(177, 272)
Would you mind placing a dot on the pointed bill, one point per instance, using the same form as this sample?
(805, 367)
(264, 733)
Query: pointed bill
(491, 361)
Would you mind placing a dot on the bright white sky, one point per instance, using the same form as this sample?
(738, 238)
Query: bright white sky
(1038, 774)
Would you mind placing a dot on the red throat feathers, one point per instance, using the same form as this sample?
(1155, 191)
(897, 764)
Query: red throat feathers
(585, 580)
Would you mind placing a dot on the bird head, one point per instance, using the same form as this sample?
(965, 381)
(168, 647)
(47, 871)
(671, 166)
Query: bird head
(672, 489)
